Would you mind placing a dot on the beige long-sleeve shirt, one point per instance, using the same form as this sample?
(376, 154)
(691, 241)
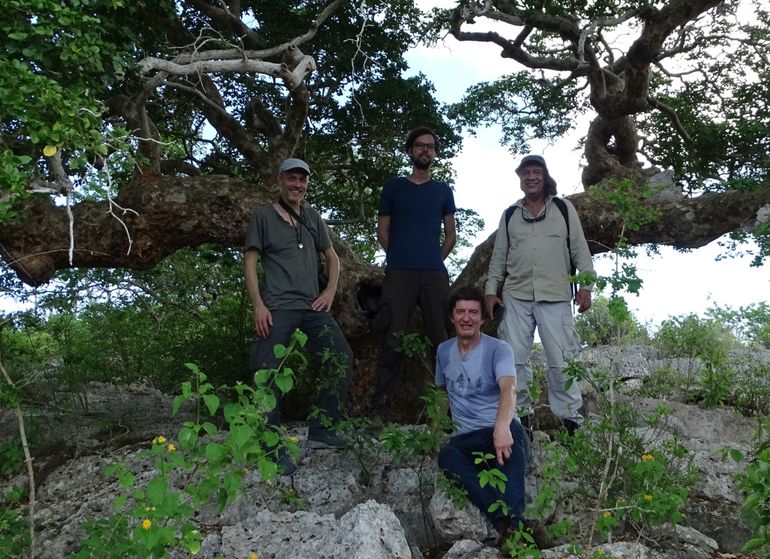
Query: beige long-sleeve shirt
(532, 258)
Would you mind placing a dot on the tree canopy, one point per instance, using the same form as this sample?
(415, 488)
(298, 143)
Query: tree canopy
(133, 129)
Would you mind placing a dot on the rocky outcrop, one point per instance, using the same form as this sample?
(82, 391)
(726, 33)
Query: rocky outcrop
(363, 503)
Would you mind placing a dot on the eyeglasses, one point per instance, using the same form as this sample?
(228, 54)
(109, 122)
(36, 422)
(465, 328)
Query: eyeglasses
(541, 217)
(420, 145)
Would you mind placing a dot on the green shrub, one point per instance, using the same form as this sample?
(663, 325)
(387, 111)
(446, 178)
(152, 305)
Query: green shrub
(691, 336)
(600, 326)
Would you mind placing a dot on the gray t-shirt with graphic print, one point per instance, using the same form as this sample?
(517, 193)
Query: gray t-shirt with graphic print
(471, 380)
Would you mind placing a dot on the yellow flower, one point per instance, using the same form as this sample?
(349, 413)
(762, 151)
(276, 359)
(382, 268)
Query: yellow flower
(607, 514)
(621, 501)
(171, 447)
(159, 440)
(253, 555)
(647, 457)
(146, 524)
(294, 439)
(647, 498)
(245, 471)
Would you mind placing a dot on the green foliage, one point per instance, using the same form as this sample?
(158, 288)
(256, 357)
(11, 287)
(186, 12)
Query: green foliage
(750, 323)
(755, 484)
(645, 478)
(14, 532)
(11, 458)
(608, 321)
(203, 464)
(524, 108)
(58, 60)
(690, 336)
(121, 326)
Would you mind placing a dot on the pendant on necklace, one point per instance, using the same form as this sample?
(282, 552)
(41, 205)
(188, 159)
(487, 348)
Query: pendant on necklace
(300, 245)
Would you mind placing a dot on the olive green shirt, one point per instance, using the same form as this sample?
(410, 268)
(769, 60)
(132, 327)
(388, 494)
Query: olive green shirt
(531, 257)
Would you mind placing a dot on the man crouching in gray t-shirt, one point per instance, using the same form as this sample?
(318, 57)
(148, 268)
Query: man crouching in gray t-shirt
(479, 375)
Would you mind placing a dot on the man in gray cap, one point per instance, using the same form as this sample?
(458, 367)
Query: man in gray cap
(287, 236)
(539, 244)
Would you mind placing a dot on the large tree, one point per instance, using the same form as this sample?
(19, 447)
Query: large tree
(679, 85)
(132, 129)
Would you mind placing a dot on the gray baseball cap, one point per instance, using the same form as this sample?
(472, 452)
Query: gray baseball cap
(294, 163)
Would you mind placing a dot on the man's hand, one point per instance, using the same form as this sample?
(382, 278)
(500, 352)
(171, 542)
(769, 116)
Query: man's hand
(324, 300)
(490, 302)
(583, 300)
(503, 442)
(263, 320)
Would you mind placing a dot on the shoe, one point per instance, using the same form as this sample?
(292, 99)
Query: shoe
(324, 439)
(538, 533)
(570, 426)
(286, 465)
(508, 528)
(526, 421)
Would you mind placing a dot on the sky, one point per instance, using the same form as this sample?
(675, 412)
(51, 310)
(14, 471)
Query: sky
(674, 283)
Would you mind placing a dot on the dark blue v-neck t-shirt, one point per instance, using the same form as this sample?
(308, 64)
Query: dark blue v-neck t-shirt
(416, 215)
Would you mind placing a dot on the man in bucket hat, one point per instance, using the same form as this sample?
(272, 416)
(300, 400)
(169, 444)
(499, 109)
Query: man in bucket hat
(539, 243)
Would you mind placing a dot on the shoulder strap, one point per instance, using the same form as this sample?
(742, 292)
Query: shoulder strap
(299, 219)
(565, 214)
(508, 213)
(563, 209)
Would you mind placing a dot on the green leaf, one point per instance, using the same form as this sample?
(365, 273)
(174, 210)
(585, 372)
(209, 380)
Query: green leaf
(17, 36)
(284, 381)
(752, 501)
(210, 428)
(754, 543)
(214, 452)
(157, 489)
(187, 438)
(280, 351)
(241, 435)
(300, 337)
(262, 376)
(267, 468)
(212, 403)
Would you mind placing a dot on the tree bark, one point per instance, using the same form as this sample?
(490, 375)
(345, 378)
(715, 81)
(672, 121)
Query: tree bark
(153, 217)
(683, 223)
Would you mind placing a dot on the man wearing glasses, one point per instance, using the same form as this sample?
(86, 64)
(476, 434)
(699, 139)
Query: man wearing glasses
(539, 244)
(411, 214)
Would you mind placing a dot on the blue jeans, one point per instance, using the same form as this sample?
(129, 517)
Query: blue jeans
(323, 334)
(456, 459)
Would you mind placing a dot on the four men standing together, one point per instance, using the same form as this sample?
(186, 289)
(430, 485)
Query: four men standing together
(539, 244)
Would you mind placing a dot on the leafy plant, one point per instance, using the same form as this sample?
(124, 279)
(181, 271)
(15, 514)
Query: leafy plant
(755, 484)
(201, 465)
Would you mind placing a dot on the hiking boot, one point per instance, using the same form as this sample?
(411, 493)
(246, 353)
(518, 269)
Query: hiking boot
(507, 530)
(323, 438)
(526, 422)
(570, 426)
(286, 465)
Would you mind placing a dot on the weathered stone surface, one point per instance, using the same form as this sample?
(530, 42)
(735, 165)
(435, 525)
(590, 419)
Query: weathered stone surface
(453, 523)
(368, 489)
(470, 549)
(368, 531)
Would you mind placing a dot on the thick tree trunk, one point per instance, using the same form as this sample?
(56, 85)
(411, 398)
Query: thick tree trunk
(156, 216)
